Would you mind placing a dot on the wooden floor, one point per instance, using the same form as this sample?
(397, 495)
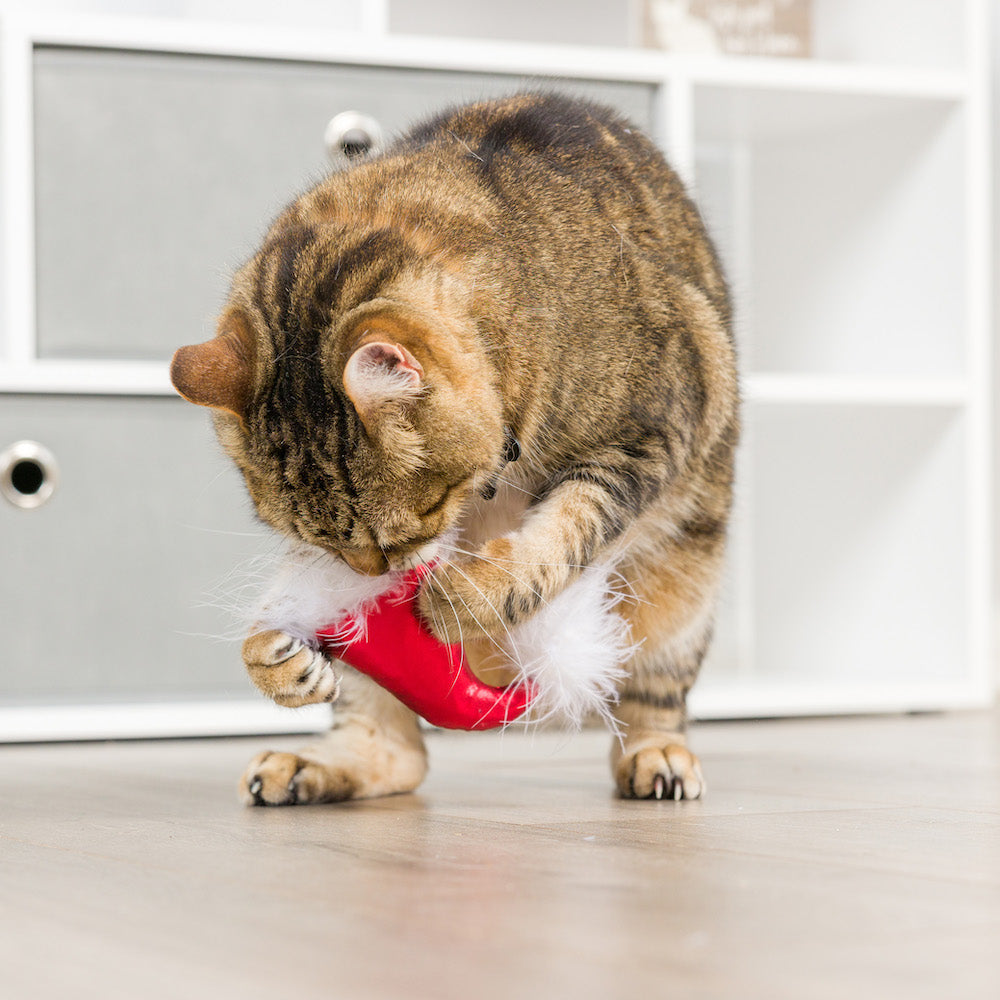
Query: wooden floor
(849, 858)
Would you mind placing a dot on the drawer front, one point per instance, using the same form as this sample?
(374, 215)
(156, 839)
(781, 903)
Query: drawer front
(157, 174)
(112, 589)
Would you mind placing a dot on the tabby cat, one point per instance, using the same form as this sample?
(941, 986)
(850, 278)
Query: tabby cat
(527, 270)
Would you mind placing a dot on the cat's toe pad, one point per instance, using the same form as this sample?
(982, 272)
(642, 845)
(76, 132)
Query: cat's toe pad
(288, 671)
(669, 771)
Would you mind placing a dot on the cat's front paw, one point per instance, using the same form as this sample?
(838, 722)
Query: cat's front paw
(660, 770)
(465, 601)
(288, 671)
(456, 606)
(286, 779)
(358, 759)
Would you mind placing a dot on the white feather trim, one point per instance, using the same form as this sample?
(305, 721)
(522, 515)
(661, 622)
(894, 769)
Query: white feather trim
(313, 589)
(573, 651)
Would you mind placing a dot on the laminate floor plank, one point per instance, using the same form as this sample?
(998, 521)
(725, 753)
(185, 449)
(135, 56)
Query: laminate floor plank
(831, 858)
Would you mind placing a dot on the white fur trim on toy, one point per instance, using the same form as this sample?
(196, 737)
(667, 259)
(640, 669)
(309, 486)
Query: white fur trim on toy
(574, 650)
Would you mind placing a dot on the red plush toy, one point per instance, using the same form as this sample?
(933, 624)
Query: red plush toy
(432, 678)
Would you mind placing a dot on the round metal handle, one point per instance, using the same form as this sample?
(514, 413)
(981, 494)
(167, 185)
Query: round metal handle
(352, 135)
(28, 474)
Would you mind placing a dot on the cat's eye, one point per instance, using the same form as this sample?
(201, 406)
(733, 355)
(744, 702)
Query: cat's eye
(436, 505)
(352, 135)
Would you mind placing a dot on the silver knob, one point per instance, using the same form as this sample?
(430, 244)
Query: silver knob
(28, 474)
(352, 135)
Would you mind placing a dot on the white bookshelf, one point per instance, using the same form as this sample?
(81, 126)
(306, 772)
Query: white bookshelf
(849, 195)
(850, 201)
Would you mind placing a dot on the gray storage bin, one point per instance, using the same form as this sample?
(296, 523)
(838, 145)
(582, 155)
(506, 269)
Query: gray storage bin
(156, 176)
(114, 589)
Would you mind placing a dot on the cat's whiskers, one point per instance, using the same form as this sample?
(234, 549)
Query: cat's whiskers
(448, 564)
(495, 563)
(507, 651)
(626, 586)
(454, 610)
(630, 360)
(500, 481)
(508, 654)
(516, 562)
(221, 531)
(206, 486)
(458, 621)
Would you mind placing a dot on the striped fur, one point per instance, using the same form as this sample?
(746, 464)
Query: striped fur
(528, 267)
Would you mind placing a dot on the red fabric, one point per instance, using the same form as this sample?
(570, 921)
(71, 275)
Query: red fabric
(403, 656)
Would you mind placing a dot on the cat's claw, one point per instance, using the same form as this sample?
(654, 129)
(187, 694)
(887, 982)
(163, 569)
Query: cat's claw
(287, 651)
(669, 771)
(668, 789)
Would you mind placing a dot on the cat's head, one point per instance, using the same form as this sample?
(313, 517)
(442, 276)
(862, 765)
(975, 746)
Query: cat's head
(365, 434)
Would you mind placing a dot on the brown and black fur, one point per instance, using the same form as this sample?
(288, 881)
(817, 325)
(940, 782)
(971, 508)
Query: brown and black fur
(541, 268)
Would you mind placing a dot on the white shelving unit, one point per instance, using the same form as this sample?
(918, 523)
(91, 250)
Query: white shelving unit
(850, 198)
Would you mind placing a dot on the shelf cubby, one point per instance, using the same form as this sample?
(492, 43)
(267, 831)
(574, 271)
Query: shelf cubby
(842, 217)
(860, 544)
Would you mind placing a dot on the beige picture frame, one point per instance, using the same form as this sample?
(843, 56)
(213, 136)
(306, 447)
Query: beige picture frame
(777, 28)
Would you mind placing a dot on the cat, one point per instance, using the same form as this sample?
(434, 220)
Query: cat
(510, 328)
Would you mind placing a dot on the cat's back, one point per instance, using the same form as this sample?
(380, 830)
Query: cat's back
(579, 180)
(536, 128)
(516, 159)
(538, 154)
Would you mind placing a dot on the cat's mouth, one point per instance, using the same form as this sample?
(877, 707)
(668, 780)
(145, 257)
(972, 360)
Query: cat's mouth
(428, 553)
(375, 562)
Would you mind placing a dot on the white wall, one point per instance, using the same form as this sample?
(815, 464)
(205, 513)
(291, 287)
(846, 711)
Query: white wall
(996, 310)
(580, 22)
(347, 14)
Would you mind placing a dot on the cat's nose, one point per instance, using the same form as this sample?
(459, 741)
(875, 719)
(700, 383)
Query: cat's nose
(369, 562)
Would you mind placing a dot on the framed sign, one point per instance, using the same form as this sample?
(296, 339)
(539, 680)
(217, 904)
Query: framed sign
(730, 27)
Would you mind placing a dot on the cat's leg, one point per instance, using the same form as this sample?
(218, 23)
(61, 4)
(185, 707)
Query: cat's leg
(508, 579)
(652, 758)
(671, 616)
(375, 748)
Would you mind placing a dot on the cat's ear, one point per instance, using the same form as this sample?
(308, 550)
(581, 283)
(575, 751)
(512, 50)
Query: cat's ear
(218, 373)
(379, 374)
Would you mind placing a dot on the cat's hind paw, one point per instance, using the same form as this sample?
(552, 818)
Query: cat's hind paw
(288, 671)
(668, 771)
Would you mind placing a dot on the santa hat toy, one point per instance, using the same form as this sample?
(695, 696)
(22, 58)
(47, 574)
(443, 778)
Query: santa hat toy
(568, 657)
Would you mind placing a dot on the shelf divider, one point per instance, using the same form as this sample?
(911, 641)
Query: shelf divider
(805, 389)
